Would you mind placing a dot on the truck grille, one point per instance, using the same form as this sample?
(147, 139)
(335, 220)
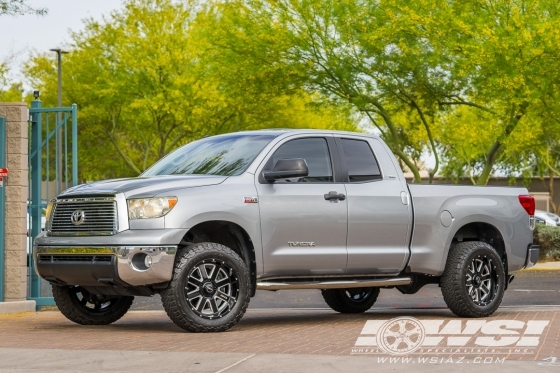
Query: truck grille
(88, 217)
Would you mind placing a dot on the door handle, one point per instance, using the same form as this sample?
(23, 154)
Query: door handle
(335, 195)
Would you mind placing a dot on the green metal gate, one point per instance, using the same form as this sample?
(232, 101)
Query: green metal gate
(53, 167)
(2, 205)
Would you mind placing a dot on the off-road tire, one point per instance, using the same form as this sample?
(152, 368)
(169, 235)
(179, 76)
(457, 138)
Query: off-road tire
(455, 279)
(74, 308)
(175, 300)
(340, 301)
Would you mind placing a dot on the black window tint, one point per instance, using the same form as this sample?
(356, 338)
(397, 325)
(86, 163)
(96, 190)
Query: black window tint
(315, 152)
(362, 165)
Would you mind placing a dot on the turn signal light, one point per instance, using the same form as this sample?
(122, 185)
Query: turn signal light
(528, 203)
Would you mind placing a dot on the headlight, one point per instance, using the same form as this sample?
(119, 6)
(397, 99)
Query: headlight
(149, 208)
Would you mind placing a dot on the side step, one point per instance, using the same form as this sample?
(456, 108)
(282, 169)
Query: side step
(341, 284)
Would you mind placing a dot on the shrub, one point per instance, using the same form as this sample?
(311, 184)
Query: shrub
(548, 238)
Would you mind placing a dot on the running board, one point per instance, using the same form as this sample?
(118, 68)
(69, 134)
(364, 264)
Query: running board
(334, 284)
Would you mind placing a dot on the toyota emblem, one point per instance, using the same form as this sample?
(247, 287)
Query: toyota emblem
(78, 217)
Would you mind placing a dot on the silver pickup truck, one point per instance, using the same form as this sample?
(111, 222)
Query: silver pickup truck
(221, 217)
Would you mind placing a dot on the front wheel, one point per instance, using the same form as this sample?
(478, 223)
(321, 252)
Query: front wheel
(85, 308)
(473, 282)
(355, 300)
(210, 290)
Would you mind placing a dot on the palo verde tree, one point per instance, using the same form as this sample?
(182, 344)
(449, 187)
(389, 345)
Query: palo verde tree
(409, 66)
(147, 81)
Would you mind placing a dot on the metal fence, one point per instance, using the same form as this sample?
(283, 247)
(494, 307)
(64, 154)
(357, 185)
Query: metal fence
(53, 157)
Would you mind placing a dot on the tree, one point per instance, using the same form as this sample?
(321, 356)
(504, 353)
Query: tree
(421, 60)
(146, 81)
(19, 7)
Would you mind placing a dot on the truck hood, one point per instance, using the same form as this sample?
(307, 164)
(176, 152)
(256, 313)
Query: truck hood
(142, 186)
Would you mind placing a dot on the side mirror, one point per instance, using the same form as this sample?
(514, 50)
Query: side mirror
(287, 168)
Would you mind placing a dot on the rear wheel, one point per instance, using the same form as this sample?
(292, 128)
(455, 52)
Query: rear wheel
(85, 308)
(473, 282)
(354, 300)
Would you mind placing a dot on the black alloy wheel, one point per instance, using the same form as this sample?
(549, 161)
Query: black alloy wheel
(212, 289)
(474, 279)
(351, 300)
(83, 307)
(482, 280)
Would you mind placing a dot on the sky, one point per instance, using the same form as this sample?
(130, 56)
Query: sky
(22, 35)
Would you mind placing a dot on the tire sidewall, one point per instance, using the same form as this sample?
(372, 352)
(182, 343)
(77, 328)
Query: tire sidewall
(243, 286)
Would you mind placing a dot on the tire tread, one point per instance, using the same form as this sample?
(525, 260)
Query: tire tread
(454, 293)
(171, 303)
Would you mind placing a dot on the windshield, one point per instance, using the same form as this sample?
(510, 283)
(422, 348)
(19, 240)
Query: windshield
(222, 155)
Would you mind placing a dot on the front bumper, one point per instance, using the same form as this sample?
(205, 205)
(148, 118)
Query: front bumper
(108, 260)
(105, 266)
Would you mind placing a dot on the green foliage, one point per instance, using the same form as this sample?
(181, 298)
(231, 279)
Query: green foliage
(548, 238)
(147, 80)
(412, 68)
(474, 83)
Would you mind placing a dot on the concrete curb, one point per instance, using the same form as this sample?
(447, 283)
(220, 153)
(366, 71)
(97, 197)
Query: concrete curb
(17, 307)
(549, 266)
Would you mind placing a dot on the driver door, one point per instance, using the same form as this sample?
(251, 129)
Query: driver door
(302, 232)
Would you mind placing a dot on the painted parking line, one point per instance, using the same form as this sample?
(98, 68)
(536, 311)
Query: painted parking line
(236, 363)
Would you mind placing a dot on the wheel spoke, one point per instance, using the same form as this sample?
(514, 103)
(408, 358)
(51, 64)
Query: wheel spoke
(213, 305)
(395, 344)
(222, 282)
(479, 265)
(223, 296)
(402, 326)
(194, 281)
(215, 272)
(203, 271)
(390, 333)
(194, 294)
(201, 304)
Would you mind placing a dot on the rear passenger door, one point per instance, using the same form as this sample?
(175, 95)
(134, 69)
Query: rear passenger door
(379, 215)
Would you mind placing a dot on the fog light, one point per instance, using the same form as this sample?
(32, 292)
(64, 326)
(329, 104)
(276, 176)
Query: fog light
(141, 262)
(148, 261)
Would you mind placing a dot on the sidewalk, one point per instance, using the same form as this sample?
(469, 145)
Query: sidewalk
(547, 266)
(34, 360)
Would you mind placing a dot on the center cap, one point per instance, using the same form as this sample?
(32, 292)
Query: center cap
(209, 287)
(477, 279)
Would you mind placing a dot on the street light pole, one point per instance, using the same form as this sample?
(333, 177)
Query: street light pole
(60, 174)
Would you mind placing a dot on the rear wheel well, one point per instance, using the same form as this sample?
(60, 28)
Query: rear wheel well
(483, 232)
(228, 234)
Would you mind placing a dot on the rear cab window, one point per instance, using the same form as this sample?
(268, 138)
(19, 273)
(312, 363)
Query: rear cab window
(361, 163)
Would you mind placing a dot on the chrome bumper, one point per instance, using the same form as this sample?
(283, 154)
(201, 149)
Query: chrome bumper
(64, 258)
